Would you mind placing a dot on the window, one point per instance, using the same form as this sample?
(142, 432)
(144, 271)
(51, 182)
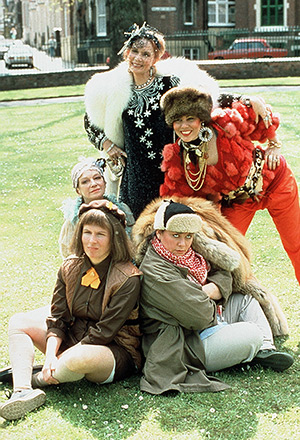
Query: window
(101, 18)
(272, 12)
(191, 53)
(188, 10)
(221, 12)
(248, 45)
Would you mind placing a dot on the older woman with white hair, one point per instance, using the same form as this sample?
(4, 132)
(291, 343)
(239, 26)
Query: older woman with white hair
(89, 183)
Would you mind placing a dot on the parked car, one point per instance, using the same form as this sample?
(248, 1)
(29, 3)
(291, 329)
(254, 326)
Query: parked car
(5, 44)
(248, 48)
(18, 55)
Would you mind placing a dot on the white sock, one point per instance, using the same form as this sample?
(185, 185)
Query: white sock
(62, 374)
(21, 353)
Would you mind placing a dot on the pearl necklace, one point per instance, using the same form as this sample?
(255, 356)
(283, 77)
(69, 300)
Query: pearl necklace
(145, 84)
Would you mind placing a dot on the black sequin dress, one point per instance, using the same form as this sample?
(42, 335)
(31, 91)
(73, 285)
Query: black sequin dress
(145, 134)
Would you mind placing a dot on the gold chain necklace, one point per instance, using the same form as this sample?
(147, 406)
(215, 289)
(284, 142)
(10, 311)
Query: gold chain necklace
(195, 180)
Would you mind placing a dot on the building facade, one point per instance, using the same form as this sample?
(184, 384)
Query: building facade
(171, 16)
(83, 28)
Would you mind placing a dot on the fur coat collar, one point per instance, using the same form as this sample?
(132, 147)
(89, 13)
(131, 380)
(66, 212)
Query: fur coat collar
(107, 94)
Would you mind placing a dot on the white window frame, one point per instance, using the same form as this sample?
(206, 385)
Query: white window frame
(191, 2)
(257, 7)
(101, 18)
(217, 4)
(191, 50)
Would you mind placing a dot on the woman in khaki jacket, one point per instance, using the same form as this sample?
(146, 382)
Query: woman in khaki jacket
(184, 334)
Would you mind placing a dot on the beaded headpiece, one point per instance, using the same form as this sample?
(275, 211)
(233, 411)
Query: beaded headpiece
(136, 33)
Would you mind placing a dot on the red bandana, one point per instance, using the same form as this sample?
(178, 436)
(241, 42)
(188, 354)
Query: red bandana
(192, 261)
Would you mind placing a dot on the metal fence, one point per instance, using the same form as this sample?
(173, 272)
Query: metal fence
(195, 45)
(214, 44)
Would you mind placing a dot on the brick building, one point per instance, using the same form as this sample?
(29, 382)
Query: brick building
(171, 16)
(192, 27)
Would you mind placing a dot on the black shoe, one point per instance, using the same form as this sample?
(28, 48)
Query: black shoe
(21, 403)
(6, 373)
(276, 360)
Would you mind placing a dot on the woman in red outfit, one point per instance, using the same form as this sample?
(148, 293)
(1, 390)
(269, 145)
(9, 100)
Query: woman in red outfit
(219, 156)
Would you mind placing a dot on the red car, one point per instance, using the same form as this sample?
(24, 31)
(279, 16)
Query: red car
(248, 48)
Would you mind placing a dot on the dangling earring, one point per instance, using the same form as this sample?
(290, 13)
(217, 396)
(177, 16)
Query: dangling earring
(174, 137)
(151, 71)
(205, 134)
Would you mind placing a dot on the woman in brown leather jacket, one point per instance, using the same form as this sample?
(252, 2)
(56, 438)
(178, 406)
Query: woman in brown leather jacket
(92, 330)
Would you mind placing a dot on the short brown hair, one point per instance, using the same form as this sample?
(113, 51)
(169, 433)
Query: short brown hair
(121, 248)
(158, 52)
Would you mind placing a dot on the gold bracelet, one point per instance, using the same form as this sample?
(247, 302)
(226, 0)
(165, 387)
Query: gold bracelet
(110, 148)
(274, 144)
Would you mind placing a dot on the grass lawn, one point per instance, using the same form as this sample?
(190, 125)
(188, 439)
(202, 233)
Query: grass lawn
(39, 145)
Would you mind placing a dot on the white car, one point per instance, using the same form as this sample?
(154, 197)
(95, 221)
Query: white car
(18, 55)
(5, 44)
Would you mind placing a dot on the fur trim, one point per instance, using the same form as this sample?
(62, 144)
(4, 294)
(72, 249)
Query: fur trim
(177, 220)
(107, 94)
(186, 101)
(221, 244)
(190, 75)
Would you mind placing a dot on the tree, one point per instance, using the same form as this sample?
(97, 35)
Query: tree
(122, 14)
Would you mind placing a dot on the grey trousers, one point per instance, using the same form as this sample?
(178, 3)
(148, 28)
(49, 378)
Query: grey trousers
(247, 332)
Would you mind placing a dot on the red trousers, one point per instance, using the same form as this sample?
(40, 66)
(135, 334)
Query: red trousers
(283, 206)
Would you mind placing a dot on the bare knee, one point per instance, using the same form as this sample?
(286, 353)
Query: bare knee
(86, 357)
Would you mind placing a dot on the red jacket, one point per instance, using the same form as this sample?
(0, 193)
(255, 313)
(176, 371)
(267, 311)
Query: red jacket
(236, 130)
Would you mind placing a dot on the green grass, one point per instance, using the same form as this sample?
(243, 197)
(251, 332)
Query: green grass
(39, 145)
(43, 92)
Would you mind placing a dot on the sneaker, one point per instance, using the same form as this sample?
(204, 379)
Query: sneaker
(276, 360)
(6, 373)
(21, 403)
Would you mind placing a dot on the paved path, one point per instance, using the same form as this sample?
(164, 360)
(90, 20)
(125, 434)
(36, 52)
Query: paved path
(41, 101)
(242, 90)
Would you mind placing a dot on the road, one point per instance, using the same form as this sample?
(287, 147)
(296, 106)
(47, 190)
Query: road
(242, 90)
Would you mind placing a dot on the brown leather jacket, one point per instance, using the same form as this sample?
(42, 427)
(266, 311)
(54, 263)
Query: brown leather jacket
(129, 334)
